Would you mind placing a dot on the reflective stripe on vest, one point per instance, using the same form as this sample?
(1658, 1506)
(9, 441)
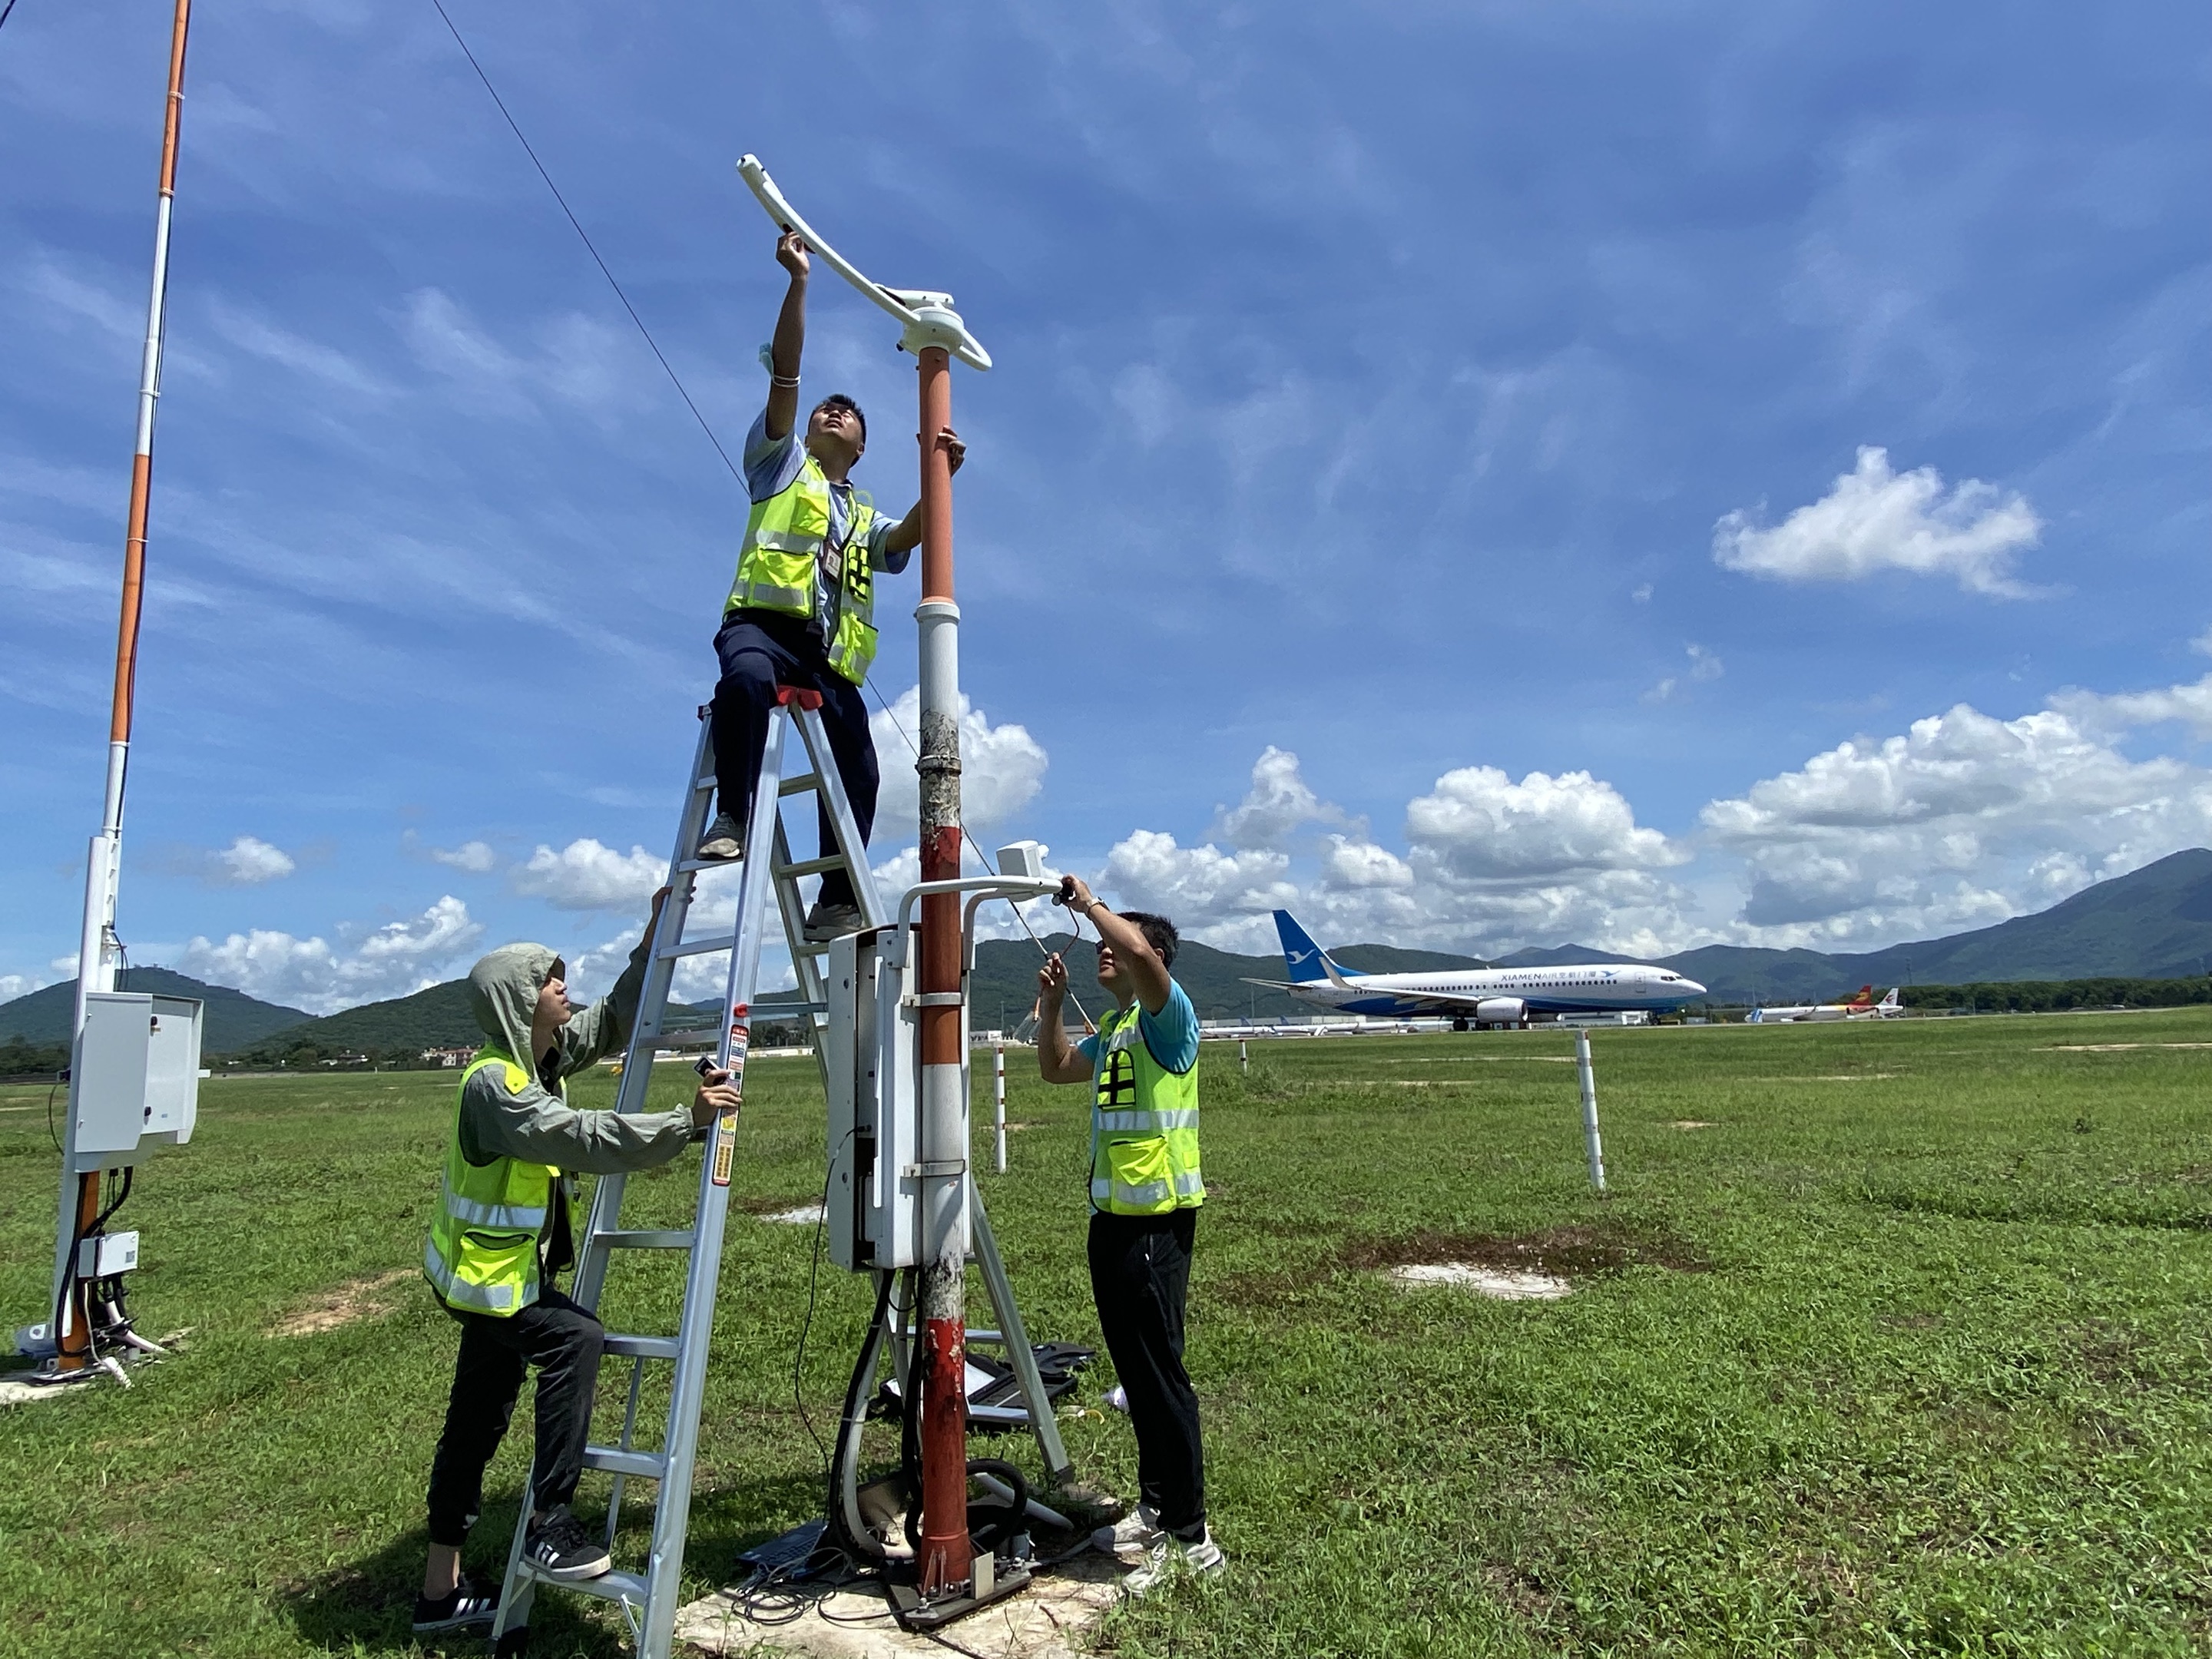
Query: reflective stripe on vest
(785, 540)
(481, 1256)
(1144, 1126)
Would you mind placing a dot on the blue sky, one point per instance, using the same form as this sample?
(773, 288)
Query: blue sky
(1484, 475)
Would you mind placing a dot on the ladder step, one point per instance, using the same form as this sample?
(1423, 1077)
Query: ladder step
(638, 1347)
(811, 867)
(709, 864)
(697, 947)
(643, 1465)
(804, 784)
(609, 1586)
(702, 785)
(648, 1239)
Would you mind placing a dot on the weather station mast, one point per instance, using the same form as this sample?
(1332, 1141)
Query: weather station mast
(134, 1059)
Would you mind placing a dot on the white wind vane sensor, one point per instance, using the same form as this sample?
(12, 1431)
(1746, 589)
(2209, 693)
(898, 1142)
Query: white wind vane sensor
(926, 317)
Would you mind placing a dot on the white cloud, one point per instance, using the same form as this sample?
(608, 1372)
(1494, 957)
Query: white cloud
(1703, 665)
(586, 875)
(1204, 890)
(2190, 705)
(1961, 821)
(1477, 825)
(1001, 767)
(588, 365)
(1875, 520)
(1278, 802)
(19, 984)
(391, 961)
(475, 857)
(248, 861)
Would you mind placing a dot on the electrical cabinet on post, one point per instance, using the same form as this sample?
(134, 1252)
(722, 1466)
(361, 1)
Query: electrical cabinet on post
(874, 1212)
(136, 1080)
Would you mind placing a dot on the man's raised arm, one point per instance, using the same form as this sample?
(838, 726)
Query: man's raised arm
(790, 342)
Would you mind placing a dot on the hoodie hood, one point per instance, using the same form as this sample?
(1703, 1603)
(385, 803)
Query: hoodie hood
(503, 991)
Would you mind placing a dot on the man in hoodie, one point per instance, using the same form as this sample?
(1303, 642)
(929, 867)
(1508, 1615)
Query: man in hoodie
(802, 610)
(501, 1234)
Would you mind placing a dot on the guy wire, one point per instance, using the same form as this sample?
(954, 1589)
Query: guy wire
(650, 342)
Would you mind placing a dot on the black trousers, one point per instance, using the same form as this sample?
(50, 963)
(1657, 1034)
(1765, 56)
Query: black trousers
(1140, 1275)
(561, 1340)
(760, 650)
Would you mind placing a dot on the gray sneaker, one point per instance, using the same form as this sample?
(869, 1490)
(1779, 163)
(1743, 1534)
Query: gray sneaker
(1170, 1557)
(826, 921)
(724, 839)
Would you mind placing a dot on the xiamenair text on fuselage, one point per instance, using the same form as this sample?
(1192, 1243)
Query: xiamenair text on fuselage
(1477, 996)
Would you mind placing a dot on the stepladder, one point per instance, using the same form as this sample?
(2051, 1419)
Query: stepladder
(648, 1593)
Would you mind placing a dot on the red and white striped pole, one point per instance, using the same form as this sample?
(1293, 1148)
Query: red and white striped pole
(97, 951)
(947, 1551)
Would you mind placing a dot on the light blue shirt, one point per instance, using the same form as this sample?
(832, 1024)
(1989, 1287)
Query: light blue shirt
(1171, 1035)
(770, 466)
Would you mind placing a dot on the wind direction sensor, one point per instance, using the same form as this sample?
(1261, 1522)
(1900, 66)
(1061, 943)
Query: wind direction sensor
(951, 1579)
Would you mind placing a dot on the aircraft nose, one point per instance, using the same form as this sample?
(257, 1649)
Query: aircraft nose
(1694, 988)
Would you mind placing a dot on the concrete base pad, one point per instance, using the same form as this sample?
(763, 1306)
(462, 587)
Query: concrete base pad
(1050, 1620)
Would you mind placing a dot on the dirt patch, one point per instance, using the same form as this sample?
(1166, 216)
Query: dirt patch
(1569, 1252)
(2114, 1048)
(1504, 1284)
(1689, 1123)
(356, 1300)
(774, 1209)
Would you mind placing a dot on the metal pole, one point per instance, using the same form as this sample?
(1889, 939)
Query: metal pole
(946, 1552)
(1243, 1058)
(998, 1107)
(1590, 1144)
(98, 951)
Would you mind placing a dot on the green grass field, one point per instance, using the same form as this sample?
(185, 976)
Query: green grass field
(1905, 1352)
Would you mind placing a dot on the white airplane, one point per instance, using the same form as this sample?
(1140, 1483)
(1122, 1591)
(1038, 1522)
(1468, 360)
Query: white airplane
(1861, 1007)
(1475, 996)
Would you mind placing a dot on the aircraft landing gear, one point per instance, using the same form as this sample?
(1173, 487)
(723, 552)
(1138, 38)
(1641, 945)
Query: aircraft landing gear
(1459, 1022)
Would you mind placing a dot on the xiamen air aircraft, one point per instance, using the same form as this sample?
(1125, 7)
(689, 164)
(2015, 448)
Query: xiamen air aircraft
(1475, 996)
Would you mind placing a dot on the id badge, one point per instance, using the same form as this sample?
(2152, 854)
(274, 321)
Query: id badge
(833, 562)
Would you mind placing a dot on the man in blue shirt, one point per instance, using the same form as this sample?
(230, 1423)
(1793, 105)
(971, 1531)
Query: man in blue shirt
(760, 649)
(1146, 1190)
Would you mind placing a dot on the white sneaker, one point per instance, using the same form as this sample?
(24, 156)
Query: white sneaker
(1169, 1556)
(1132, 1535)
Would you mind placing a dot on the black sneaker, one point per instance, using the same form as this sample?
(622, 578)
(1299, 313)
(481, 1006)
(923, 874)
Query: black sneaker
(724, 839)
(559, 1547)
(471, 1607)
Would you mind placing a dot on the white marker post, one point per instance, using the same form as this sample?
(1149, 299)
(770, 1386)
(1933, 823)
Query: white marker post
(1590, 1144)
(998, 1107)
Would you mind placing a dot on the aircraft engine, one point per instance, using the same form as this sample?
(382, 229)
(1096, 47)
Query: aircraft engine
(1500, 1010)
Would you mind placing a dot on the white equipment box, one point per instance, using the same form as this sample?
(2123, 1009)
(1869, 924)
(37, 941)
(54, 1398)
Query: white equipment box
(872, 1046)
(136, 1082)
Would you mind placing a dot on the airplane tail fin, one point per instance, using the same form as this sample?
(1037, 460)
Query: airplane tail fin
(1891, 1000)
(1303, 961)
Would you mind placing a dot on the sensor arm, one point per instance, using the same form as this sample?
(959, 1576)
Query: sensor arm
(927, 318)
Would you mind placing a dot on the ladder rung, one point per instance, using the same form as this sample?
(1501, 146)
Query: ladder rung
(641, 1465)
(811, 867)
(804, 784)
(611, 1586)
(638, 1347)
(697, 947)
(648, 1239)
(702, 785)
(709, 864)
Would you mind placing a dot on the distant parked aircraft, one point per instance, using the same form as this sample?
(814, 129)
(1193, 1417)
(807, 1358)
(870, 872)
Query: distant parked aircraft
(1478, 996)
(1861, 1007)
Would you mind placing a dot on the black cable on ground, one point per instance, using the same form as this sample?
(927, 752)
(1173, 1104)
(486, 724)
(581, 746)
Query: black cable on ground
(650, 342)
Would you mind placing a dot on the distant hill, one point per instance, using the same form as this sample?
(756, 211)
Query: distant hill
(400, 1028)
(233, 1019)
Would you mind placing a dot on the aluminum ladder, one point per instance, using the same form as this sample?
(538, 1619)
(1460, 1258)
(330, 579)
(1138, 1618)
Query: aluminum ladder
(649, 1598)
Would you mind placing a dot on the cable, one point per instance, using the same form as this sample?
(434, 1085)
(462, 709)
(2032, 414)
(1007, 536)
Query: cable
(650, 342)
(61, 1076)
(813, 1279)
(4, 10)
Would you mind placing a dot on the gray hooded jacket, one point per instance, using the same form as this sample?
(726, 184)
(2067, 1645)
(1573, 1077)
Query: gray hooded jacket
(537, 1123)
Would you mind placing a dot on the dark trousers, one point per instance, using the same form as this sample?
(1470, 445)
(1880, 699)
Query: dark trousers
(760, 650)
(561, 1340)
(1140, 1275)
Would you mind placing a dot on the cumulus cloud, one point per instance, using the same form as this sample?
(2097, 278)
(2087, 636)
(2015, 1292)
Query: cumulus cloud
(1001, 767)
(18, 985)
(247, 862)
(1477, 825)
(2190, 705)
(1278, 802)
(1875, 519)
(1222, 896)
(586, 875)
(390, 960)
(475, 857)
(1961, 821)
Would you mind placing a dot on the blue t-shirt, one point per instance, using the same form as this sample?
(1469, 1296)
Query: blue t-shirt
(770, 466)
(1171, 1035)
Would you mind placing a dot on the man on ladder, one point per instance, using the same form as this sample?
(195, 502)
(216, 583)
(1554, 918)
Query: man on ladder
(801, 611)
(501, 1234)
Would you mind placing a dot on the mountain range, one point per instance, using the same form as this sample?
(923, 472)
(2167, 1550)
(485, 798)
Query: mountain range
(2153, 923)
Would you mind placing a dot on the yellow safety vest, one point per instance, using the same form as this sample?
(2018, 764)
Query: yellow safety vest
(483, 1253)
(1144, 1126)
(786, 536)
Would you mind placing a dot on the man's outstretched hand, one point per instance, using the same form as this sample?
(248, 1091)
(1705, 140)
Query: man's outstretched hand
(791, 253)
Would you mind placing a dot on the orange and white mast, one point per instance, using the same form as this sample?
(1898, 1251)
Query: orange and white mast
(98, 950)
